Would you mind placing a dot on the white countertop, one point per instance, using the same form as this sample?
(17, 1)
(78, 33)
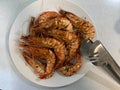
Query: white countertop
(106, 16)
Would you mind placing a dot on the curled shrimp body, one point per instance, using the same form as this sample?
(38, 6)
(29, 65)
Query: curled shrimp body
(69, 70)
(45, 16)
(36, 66)
(54, 44)
(86, 28)
(70, 39)
(41, 53)
(58, 23)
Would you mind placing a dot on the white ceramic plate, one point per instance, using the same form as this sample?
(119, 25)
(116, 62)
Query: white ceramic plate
(20, 26)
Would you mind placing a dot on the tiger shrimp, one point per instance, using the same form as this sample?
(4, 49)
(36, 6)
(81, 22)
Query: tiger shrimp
(57, 46)
(70, 39)
(58, 23)
(69, 70)
(86, 28)
(36, 66)
(41, 53)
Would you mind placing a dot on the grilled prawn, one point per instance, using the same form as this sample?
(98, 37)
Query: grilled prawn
(70, 69)
(54, 44)
(86, 29)
(37, 66)
(41, 53)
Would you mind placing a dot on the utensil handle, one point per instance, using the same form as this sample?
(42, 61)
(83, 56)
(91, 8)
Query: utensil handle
(101, 78)
(111, 65)
(114, 68)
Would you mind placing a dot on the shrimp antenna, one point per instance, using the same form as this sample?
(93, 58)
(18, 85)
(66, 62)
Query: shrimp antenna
(59, 6)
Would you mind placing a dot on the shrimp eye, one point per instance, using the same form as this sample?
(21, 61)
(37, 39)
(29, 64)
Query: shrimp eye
(36, 66)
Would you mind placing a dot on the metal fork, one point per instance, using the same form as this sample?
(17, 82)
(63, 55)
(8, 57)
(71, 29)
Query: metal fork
(99, 56)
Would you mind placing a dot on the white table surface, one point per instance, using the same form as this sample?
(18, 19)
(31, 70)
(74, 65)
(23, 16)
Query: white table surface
(106, 16)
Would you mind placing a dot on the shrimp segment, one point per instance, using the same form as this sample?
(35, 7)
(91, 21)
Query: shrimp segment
(45, 16)
(69, 70)
(58, 23)
(58, 47)
(85, 27)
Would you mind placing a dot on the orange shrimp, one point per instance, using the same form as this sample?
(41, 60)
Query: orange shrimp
(41, 53)
(54, 44)
(69, 70)
(86, 28)
(37, 66)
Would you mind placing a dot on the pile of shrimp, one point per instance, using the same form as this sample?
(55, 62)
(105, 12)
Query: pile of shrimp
(53, 43)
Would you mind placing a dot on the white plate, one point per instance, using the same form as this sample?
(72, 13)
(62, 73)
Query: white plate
(20, 26)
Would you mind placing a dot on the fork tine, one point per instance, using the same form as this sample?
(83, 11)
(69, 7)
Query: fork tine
(94, 55)
(94, 58)
(95, 61)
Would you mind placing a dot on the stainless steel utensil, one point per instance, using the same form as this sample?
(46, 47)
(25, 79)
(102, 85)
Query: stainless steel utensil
(99, 56)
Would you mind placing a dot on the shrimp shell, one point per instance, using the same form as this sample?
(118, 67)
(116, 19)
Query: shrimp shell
(70, 39)
(36, 66)
(69, 70)
(45, 16)
(42, 53)
(86, 28)
(54, 44)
